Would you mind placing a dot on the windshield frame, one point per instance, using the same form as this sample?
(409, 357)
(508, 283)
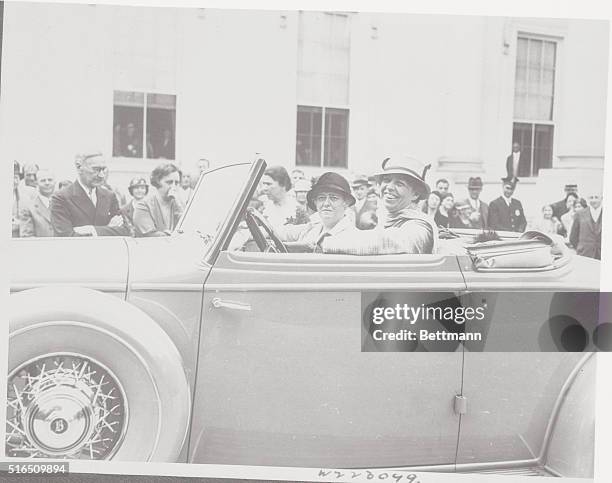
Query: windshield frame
(221, 239)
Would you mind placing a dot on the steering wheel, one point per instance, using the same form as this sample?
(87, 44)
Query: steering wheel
(255, 222)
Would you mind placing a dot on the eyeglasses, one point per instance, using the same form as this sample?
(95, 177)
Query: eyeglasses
(98, 169)
(333, 199)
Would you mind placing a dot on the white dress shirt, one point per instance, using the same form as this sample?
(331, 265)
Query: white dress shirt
(46, 201)
(595, 213)
(91, 193)
(359, 203)
(515, 162)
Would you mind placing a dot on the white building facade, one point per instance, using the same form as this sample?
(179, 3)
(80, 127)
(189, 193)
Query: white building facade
(308, 89)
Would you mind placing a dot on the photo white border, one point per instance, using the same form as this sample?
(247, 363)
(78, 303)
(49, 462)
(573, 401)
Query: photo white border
(588, 9)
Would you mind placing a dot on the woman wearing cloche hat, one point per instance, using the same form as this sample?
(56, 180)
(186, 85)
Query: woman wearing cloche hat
(138, 188)
(330, 197)
(403, 228)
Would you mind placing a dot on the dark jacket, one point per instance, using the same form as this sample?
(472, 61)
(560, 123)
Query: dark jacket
(483, 217)
(586, 234)
(523, 166)
(71, 207)
(506, 218)
(149, 218)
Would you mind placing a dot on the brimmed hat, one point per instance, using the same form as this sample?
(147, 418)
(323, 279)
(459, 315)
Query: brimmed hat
(475, 183)
(135, 182)
(330, 182)
(460, 205)
(360, 180)
(408, 166)
(510, 181)
(302, 185)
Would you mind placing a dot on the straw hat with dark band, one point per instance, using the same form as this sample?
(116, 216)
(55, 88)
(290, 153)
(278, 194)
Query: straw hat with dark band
(407, 166)
(330, 183)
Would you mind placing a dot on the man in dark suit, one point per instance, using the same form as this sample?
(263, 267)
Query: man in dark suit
(517, 164)
(478, 210)
(35, 216)
(586, 229)
(506, 213)
(85, 208)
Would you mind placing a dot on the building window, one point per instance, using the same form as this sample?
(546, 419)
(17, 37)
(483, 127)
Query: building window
(322, 134)
(534, 94)
(135, 113)
(323, 89)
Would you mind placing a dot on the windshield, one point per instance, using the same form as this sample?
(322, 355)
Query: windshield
(214, 197)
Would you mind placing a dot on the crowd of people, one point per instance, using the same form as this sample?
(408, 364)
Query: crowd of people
(394, 210)
(282, 199)
(89, 206)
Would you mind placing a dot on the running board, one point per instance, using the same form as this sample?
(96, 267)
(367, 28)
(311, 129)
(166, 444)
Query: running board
(529, 471)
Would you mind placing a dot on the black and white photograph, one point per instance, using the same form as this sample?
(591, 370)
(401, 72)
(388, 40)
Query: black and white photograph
(226, 222)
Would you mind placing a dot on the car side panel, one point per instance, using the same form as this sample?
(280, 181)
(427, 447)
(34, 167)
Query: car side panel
(511, 395)
(510, 401)
(286, 384)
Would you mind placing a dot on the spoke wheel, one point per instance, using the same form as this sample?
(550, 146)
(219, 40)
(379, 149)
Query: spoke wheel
(64, 406)
(77, 360)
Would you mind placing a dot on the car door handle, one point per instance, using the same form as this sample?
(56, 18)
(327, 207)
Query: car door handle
(217, 303)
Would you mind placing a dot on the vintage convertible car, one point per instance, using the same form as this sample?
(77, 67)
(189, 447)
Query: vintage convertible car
(181, 349)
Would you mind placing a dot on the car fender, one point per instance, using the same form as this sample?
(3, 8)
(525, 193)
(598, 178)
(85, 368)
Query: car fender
(39, 317)
(568, 450)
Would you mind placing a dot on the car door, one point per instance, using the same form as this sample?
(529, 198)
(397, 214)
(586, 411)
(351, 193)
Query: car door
(513, 391)
(281, 377)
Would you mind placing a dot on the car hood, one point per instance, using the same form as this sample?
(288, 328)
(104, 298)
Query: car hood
(99, 263)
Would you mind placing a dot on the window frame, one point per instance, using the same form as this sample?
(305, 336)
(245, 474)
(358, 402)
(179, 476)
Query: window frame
(145, 92)
(311, 102)
(323, 137)
(529, 34)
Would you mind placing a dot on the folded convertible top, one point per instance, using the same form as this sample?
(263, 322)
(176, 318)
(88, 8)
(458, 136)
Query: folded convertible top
(532, 250)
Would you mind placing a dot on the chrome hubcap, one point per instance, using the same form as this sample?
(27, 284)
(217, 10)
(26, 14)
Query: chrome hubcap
(64, 406)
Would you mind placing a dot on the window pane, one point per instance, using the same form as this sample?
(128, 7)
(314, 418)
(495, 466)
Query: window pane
(308, 140)
(534, 79)
(521, 52)
(521, 133)
(535, 54)
(128, 117)
(161, 126)
(548, 79)
(520, 106)
(336, 137)
(543, 147)
(520, 85)
(546, 107)
(550, 51)
(323, 55)
(533, 85)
